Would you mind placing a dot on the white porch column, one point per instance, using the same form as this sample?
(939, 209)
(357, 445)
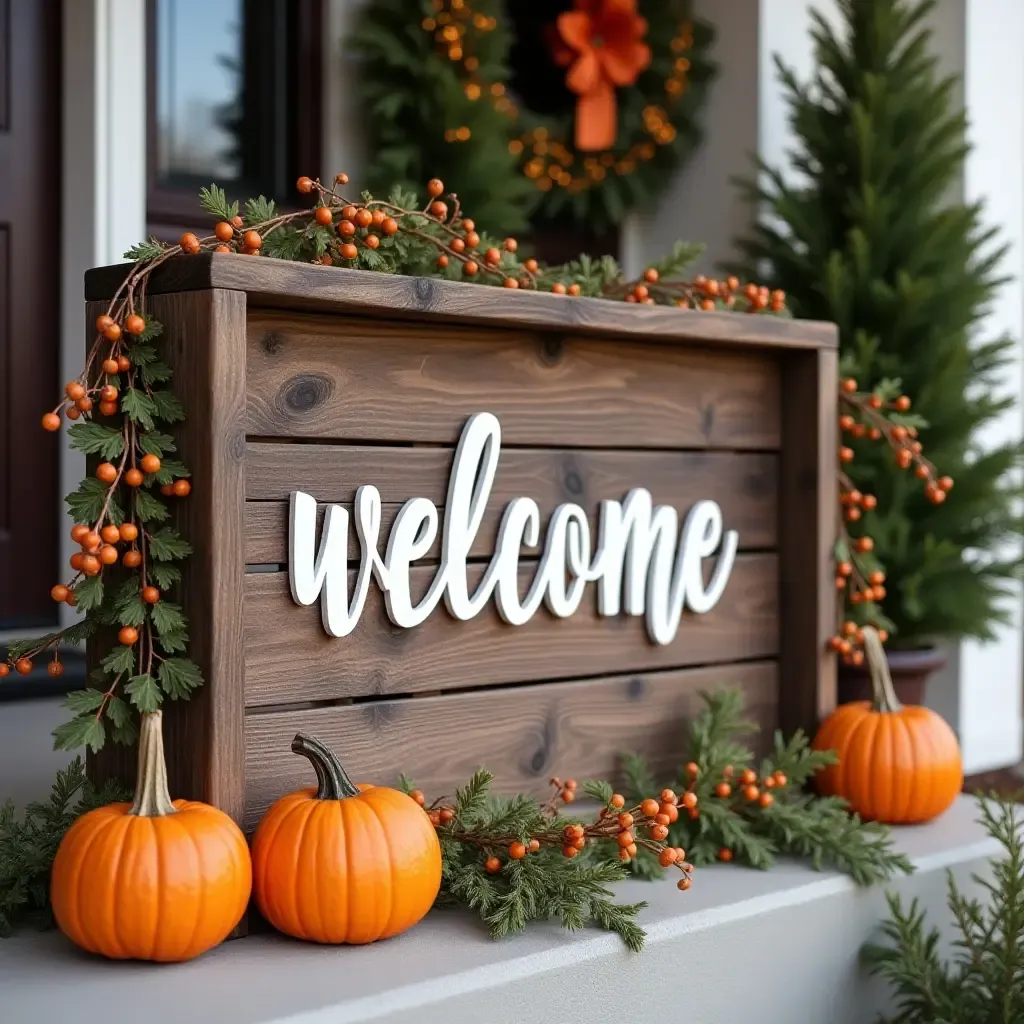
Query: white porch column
(991, 675)
(103, 177)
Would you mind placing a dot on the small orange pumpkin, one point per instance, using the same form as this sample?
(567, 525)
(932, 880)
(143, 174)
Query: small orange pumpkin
(344, 863)
(898, 764)
(153, 880)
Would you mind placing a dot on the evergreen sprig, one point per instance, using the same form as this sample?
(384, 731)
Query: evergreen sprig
(983, 983)
(29, 841)
(508, 893)
(779, 818)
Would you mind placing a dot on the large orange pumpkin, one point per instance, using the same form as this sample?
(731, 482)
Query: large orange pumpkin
(153, 880)
(898, 764)
(344, 863)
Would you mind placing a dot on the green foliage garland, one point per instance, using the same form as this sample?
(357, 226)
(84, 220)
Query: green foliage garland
(450, 108)
(984, 981)
(869, 238)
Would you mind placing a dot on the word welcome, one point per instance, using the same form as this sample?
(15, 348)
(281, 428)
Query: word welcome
(643, 563)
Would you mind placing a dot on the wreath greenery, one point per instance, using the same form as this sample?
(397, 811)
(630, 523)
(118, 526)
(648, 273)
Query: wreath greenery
(472, 90)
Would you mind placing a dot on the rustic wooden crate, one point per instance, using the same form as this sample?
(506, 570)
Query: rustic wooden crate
(308, 378)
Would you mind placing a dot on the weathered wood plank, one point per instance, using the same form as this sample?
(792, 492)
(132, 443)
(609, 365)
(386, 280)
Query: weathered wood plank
(283, 284)
(289, 657)
(808, 510)
(352, 380)
(524, 735)
(745, 486)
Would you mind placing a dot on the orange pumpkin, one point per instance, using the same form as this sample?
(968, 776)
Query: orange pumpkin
(898, 764)
(153, 880)
(344, 863)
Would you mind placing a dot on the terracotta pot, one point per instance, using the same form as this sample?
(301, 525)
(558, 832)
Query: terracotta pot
(909, 669)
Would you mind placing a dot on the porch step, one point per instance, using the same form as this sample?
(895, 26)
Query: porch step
(778, 947)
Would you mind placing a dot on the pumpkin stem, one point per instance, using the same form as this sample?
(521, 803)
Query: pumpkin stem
(881, 681)
(333, 781)
(152, 797)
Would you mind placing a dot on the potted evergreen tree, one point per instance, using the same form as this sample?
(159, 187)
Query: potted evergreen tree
(866, 234)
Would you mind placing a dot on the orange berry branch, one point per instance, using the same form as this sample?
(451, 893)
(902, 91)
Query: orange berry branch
(879, 415)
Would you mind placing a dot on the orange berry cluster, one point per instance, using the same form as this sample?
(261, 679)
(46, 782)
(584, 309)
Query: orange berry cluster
(644, 826)
(869, 415)
(705, 293)
(748, 789)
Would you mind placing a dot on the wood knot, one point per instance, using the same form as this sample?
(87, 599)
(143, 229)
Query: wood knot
(379, 715)
(707, 421)
(537, 763)
(303, 394)
(635, 688)
(425, 292)
(552, 349)
(272, 343)
(572, 480)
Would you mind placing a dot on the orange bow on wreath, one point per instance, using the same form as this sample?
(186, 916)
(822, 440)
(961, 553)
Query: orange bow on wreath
(601, 43)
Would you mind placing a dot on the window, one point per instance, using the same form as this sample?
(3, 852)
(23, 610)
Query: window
(234, 96)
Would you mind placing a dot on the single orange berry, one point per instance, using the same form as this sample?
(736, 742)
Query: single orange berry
(668, 796)
(78, 532)
(224, 231)
(135, 324)
(372, 242)
(751, 792)
(107, 554)
(110, 366)
(692, 769)
(103, 322)
(469, 268)
(435, 187)
(167, 489)
(110, 533)
(128, 531)
(661, 818)
(346, 228)
(304, 184)
(567, 796)
(107, 408)
(59, 593)
(349, 251)
(252, 239)
(364, 218)
(128, 635)
(442, 261)
(439, 210)
(946, 483)
(5, 670)
(684, 884)
(510, 282)
(624, 838)
(667, 857)
(517, 851)
(902, 403)
(236, 222)
(417, 795)
(671, 811)
(108, 393)
(76, 561)
(84, 404)
(689, 799)
(74, 391)
(492, 865)
(91, 542)
(649, 808)
(574, 289)
(132, 559)
(189, 243)
(472, 239)
(659, 832)
(749, 776)
(534, 845)
(725, 854)
(492, 257)
(377, 218)
(112, 333)
(532, 266)
(468, 224)
(323, 215)
(390, 226)
(624, 856)
(182, 488)
(150, 595)
(625, 820)
(23, 666)
(91, 565)
(769, 782)
(51, 422)
(133, 478)
(780, 779)
(106, 472)
(569, 851)
(150, 464)
(723, 789)
(766, 800)
(849, 385)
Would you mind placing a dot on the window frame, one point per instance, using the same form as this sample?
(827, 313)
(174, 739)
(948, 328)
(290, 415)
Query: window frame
(171, 211)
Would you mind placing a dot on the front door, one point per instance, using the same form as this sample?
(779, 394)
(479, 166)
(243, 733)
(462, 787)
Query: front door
(30, 219)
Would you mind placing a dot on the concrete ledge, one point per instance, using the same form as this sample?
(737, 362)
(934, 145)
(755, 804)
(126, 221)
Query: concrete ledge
(782, 945)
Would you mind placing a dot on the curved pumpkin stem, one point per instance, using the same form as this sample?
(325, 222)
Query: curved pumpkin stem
(333, 781)
(152, 797)
(881, 681)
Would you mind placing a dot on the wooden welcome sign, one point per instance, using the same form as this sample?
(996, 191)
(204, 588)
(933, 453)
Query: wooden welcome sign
(439, 525)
